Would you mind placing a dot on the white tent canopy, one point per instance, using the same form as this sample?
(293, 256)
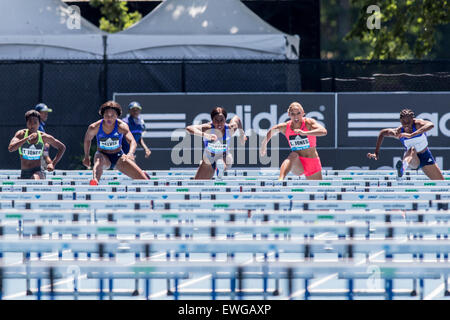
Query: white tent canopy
(202, 29)
(46, 29)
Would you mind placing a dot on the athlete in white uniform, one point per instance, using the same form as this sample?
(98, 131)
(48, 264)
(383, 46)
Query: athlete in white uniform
(412, 134)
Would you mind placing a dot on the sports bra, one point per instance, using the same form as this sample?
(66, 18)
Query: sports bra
(419, 142)
(30, 151)
(218, 146)
(111, 141)
(298, 142)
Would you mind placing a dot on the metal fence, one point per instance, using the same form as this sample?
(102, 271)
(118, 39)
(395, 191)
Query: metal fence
(75, 89)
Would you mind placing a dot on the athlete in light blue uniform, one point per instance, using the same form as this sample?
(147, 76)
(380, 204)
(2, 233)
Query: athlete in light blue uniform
(216, 138)
(110, 132)
(412, 134)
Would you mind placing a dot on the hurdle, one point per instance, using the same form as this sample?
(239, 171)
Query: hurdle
(236, 272)
(295, 229)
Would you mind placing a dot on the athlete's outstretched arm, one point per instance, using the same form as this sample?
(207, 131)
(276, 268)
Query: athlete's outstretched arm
(421, 125)
(272, 132)
(55, 143)
(316, 129)
(18, 140)
(90, 134)
(388, 132)
(236, 124)
(199, 130)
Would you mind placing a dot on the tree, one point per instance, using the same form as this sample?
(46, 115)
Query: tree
(407, 27)
(115, 15)
(336, 19)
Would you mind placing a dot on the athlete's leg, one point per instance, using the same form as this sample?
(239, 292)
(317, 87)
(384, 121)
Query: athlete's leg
(100, 162)
(39, 175)
(433, 172)
(410, 159)
(131, 169)
(205, 171)
(315, 176)
(228, 161)
(293, 163)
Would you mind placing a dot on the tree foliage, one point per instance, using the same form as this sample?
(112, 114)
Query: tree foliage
(115, 15)
(407, 27)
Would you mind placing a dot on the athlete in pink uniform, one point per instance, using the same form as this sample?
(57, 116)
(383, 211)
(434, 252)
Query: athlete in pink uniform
(301, 133)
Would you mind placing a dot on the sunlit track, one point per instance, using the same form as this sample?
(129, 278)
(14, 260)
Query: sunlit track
(350, 235)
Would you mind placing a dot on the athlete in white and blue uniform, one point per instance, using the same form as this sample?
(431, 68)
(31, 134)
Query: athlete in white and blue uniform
(216, 138)
(110, 132)
(412, 134)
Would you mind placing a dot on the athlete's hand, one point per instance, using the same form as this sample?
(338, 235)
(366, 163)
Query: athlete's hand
(32, 136)
(243, 138)
(147, 153)
(404, 135)
(87, 162)
(211, 137)
(50, 167)
(129, 156)
(372, 156)
(299, 131)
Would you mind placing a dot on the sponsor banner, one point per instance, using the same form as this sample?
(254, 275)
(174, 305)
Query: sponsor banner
(165, 113)
(361, 116)
(353, 126)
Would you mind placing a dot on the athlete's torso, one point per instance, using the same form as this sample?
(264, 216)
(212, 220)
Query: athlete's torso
(221, 145)
(31, 153)
(304, 146)
(109, 142)
(419, 142)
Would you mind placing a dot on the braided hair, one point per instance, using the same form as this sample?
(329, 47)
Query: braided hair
(406, 113)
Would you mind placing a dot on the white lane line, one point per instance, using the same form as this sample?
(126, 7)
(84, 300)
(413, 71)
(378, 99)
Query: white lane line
(328, 278)
(436, 292)
(65, 280)
(194, 281)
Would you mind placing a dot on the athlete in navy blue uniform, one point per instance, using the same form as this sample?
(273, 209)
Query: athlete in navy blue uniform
(216, 137)
(137, 127)
(43, 110)
(412, 134)
(110, 132)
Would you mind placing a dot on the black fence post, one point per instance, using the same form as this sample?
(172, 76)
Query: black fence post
(105, 69)
(41, 81)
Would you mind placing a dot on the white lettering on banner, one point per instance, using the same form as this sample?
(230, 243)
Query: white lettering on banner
(359, 129)
(161, 125)
(433, 117)
(254, 125)
(443, 124)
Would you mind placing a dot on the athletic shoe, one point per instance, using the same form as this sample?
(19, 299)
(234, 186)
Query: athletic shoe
(93, 183)
(399, 167)
(220, 168)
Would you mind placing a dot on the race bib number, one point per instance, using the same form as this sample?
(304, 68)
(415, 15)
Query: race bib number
(109, 144)
(31, 154)
(298, 143)
(217, 147)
